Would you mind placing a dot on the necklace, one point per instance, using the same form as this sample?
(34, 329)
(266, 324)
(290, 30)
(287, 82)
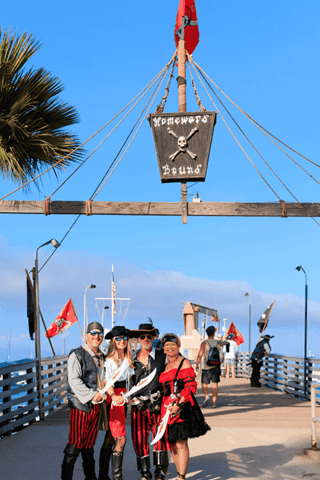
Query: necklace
(172, 361)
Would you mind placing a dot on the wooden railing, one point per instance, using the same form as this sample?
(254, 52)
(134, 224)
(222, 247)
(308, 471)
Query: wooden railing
(282, 373)
(19, 391)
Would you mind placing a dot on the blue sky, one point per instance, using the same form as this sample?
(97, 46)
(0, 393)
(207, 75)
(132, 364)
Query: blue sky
(265, 56)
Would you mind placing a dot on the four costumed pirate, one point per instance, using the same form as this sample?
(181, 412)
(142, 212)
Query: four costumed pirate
(145, 408)
(85, 377)
(92, 379)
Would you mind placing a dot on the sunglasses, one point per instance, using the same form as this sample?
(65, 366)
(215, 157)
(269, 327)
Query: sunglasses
(121, 338)
(148, 337)
(94, 332)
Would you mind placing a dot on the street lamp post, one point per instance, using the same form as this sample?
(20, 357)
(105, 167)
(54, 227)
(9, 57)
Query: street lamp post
(248, 295)
(56, 244)
(85, 320)
(305, 327)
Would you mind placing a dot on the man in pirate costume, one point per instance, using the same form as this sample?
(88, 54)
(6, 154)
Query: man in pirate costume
(85, 377)
(262, 348)
(145, 408)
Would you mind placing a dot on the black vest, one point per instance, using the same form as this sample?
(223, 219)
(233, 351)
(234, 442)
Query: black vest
(259, 351)
(88, 369)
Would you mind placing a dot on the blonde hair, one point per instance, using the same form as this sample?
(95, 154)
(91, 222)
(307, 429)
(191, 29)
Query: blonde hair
(171, 335)
(113, 351)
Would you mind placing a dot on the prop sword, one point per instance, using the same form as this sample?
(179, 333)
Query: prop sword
(164, 421)
(143, 383)
(114, 379)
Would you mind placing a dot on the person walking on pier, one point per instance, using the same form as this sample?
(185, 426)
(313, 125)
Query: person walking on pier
(186, 420)
(230, 355)
(262, 347)
(209, 373)
(85, 378)
(119, 352)
(145, 409)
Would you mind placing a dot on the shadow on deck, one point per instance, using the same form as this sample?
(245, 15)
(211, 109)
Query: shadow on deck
(255, 434)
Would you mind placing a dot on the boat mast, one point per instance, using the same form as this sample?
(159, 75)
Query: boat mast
(182, 105)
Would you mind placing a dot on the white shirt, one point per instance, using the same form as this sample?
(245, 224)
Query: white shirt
(233, 348)
(111, 367)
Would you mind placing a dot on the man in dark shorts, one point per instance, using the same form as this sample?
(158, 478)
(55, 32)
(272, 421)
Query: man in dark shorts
(209, 374)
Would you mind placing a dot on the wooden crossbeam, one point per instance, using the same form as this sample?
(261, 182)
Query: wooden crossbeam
(213, 209)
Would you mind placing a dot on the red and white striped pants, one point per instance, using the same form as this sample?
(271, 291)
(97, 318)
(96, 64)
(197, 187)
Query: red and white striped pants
(142, 422)
(83, 428)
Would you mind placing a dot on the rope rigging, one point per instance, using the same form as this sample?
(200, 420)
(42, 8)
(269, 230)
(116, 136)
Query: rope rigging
(156, 84)
(203, 74)
(161, 76)
(148, 86)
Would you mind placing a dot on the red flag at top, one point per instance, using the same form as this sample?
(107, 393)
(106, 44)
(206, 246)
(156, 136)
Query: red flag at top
(187, 9)
(64, 320)
(238, 337)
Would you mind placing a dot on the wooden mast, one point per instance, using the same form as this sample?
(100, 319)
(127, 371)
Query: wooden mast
(182, 108)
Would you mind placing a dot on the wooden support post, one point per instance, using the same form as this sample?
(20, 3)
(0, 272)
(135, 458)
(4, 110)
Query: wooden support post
(184, 205)
(182, 108)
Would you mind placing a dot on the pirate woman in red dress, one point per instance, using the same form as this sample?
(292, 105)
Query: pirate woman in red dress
(186, 419)
(119, 352)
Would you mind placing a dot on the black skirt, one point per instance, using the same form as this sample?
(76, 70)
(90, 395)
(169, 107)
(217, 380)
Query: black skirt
(193, 425)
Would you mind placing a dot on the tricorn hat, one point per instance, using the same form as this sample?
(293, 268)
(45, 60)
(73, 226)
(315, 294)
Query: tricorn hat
(267, 337)
(118, 331)
(144, 328)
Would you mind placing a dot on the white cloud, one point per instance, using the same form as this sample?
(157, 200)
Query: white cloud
(157, 294)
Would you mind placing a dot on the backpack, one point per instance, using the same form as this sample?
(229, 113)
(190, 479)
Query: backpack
(213, 357)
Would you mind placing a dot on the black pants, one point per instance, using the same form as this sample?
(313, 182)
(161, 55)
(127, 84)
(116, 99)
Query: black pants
(255, 376)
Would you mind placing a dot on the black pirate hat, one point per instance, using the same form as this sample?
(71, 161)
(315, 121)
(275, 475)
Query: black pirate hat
(118, 331)
(144, 328)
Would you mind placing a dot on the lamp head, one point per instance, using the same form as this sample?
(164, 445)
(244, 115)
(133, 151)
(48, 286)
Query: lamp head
(55, 243)
(247, 294)
(92, 286)
(105, 307)
(298, 268)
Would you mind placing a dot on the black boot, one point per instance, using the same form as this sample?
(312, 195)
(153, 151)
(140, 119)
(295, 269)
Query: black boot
(161, 463)
(116, 461)
(104, 461)
(71, 454)
(254, 383)
(144, 467)
(88, 463)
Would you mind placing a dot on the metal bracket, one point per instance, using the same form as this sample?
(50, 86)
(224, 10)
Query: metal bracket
(181, 81)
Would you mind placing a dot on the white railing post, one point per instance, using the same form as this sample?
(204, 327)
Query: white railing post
(313, 417)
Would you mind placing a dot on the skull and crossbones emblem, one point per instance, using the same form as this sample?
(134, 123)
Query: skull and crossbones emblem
(182, 144)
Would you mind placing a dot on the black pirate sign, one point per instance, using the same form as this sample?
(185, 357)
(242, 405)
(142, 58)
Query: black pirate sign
(183, 142)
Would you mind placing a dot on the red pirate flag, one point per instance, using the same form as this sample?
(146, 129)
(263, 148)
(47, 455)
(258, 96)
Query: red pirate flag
(238, 337)
(64, 320)
(187, 9)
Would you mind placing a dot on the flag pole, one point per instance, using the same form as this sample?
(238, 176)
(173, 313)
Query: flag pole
(112, 299)
(32, 289)
(182, 105)
(74, 311)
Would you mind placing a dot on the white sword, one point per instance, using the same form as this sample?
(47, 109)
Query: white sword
(164, 421)
(114, 379)
(143, 383)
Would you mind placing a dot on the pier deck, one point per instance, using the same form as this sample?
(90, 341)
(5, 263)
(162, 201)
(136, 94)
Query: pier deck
(255, 434)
